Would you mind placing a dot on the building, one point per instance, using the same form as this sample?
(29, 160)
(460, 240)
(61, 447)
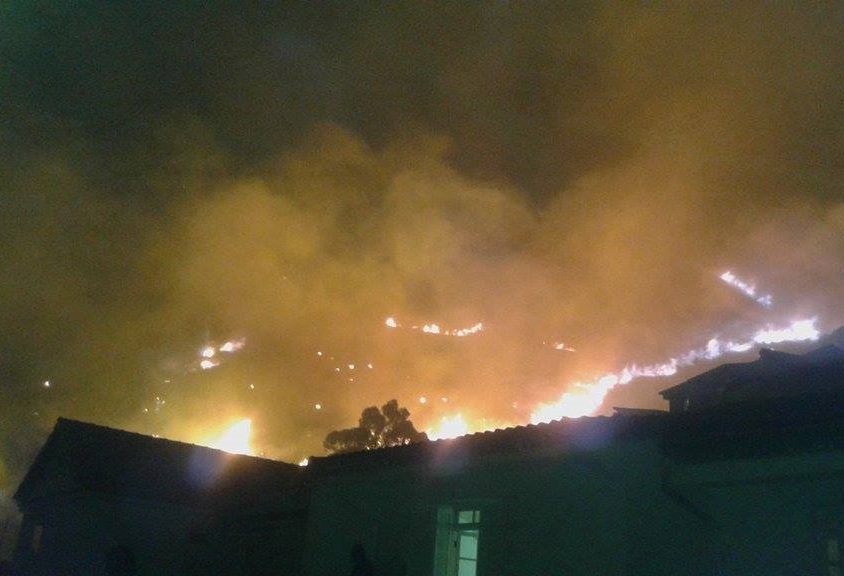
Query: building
(773, 375)
(98, 498)
(570, 497)
(745, 478)
(743, 475)
(757, 449)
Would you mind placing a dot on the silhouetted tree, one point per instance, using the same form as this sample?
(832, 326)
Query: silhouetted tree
(389, 426)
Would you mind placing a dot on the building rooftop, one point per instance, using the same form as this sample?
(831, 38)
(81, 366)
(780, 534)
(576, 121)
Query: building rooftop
(565, 436)
(775, 403)
(773, 374)
(97, 459)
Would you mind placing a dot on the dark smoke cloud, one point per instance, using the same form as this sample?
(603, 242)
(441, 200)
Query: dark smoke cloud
(296, 173)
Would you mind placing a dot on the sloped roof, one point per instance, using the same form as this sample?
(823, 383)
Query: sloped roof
(772, 374)
(98, 459)
(805, 423)
(795, 401)
(565, 436)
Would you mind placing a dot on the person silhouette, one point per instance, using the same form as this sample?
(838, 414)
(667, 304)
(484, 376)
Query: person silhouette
(361, 566)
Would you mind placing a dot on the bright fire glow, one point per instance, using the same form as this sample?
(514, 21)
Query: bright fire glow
(208, 364)
(437, 330)
(209, 354)
(748, 289)
(582, 400)
(233, 345)
(449, 427)
(469, 331)
(586, 398)
(236, 438)
(798, 331)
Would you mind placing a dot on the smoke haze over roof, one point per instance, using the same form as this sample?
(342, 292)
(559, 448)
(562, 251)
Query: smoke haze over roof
(292, 175)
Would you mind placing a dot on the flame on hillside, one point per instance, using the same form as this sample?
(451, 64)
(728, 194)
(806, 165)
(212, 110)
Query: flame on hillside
(449, 427)
(585, 398)
(236, 439)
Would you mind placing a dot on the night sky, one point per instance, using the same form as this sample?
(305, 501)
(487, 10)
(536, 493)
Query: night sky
(291, 178)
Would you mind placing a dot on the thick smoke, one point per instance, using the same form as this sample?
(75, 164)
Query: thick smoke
(293, 175)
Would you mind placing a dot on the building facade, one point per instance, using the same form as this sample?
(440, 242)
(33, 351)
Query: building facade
(103, 501)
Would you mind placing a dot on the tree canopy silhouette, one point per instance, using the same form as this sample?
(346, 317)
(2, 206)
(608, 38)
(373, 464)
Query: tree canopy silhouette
(389, 426)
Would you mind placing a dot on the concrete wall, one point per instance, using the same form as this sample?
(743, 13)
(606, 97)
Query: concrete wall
(774, 516)
(78, 531)
(165, 539)
(619, 509)
(580, 514)
(602, 512)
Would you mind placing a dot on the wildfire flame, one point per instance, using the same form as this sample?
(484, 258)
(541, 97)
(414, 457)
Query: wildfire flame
(209, 353)
(580, 399)
(208, 364)
(233, 345)
(449, 427)
(587, 398)
(436, 330)
(749, 290)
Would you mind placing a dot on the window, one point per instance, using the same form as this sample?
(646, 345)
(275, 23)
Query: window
(458, 534)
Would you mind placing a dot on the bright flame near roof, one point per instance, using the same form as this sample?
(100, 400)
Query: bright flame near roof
(586, 398)
(583, 400)
(798, 331)
(449, 427)
(236, 439)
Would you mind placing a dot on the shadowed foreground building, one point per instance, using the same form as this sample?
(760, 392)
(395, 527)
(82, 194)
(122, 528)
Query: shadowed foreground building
(743, 475)
(98, 498)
